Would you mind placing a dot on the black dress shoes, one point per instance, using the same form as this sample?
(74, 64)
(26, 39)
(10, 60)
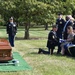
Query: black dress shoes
(40, 50)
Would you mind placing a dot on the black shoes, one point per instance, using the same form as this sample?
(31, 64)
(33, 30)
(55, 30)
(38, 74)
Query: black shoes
(40, 50)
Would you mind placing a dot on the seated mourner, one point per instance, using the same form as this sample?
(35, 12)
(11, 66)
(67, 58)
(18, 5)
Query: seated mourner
(71, 49)
(52, 41)
(69, 40)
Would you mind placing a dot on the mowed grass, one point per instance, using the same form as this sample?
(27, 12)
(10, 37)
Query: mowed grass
(41, 64)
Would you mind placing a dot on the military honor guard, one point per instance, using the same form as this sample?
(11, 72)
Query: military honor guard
(60, 22)
(52, 41)
(11, 31)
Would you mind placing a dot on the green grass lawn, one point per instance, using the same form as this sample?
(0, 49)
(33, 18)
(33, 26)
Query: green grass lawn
(41, 64)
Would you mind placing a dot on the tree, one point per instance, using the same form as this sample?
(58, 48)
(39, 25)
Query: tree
(32, 11)
(36, 11)
(5, 9)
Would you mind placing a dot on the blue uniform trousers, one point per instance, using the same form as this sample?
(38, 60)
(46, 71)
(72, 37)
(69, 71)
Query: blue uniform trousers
(11, 40)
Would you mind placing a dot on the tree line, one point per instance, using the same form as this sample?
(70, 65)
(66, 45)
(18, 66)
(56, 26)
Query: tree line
(37, 12)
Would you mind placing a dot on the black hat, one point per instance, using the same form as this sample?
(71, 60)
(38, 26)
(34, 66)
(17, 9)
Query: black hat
(11, 18)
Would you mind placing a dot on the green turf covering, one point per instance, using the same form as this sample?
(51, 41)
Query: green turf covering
(21, 67)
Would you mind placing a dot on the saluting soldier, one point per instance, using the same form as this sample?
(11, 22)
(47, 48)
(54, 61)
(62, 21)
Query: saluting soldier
(52, 41)
(60, 22)
(11, 31)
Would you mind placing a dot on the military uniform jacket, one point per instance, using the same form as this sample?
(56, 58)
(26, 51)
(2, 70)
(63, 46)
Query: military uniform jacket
(60, 24)
(11, 29)
(52, 39)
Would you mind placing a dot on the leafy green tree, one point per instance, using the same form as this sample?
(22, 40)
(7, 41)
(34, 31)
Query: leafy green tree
(37, 11)
(32, 11)
(5, 8)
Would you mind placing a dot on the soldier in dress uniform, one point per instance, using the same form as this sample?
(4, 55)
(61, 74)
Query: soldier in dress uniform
(51, 43)
(11, 31)
(60, 22)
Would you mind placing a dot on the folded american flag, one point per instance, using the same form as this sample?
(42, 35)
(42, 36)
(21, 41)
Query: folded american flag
(62, 40)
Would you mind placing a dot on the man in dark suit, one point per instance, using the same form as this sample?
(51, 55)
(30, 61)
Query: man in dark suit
(52, 41)
(11, 31)
(60, 24)
(67, 23)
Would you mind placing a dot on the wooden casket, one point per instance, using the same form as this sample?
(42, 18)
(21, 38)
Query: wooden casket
(5, 51)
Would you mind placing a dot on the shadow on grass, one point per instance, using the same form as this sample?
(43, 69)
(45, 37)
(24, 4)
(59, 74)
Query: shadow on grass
(3, 37)
(33, 29)
(32, 38)
(35, 53)
(16, 38)
(72, 57)
(22, 38)
(58, 55)
(54, 54)
(19, 38)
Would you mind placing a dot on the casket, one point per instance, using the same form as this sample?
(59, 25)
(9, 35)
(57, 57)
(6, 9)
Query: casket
(5, 51)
